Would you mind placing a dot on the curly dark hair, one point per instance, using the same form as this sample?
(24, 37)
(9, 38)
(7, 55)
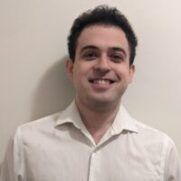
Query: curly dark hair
(102, 15)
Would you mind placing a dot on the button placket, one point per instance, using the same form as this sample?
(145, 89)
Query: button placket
(93, 165)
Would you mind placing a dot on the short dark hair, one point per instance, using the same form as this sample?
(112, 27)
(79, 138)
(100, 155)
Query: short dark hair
(101, 15)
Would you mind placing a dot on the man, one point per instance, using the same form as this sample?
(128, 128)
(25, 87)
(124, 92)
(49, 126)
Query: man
(94, 139)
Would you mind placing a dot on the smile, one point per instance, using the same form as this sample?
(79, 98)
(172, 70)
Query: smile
(101, 81)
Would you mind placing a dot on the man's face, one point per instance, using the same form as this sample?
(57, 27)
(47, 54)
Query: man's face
(101, 70)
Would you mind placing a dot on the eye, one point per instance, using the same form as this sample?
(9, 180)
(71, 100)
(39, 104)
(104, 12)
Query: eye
(90, 55)
(117, 57)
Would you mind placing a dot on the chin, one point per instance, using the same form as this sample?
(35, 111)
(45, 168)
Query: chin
(103, 101)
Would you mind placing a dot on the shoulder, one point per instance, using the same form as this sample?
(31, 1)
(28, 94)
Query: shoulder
(47, 121)
(44, 128)
(150, 131)
(153, 137)
(35, 129)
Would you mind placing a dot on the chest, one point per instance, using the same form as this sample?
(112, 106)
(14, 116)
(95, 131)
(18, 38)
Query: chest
(115, 160)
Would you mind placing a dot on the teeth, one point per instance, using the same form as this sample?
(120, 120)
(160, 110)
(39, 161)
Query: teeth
(101, 81)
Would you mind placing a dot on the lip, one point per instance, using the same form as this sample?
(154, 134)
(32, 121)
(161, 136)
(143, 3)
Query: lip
(101, 84)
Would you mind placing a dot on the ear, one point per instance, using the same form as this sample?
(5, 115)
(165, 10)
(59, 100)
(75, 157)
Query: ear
(69, 66)
(131, 72)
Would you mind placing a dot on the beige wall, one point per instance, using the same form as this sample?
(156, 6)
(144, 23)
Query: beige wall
(33, 46)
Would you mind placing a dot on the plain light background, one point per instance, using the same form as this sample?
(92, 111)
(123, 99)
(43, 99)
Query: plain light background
(33, 82)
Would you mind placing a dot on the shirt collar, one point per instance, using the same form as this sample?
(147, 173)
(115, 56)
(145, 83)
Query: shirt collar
(123, 120)
(71, 115)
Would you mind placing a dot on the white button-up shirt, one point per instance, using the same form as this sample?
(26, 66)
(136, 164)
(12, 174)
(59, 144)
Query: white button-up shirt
(59, 148)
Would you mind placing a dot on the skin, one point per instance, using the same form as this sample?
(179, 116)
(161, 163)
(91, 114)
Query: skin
(100, 75)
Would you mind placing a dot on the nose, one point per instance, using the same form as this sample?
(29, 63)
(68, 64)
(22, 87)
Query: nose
(102, 64)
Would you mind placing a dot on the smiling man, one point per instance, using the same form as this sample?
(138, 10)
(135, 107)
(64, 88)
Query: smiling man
(100, 72)
(94, 138)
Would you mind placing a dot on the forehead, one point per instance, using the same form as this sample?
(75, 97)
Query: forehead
(103, 37)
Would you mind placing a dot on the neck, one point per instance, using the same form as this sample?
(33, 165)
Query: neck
(97, 119)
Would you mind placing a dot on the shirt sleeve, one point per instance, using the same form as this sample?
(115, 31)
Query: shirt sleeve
(11, 168)
(172, 164)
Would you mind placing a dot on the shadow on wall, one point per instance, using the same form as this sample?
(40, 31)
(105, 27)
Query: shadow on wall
(54, 92)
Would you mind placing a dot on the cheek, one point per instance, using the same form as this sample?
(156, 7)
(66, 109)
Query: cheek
(82, 70)
(78, 77)
(121, 72)
(124, 74)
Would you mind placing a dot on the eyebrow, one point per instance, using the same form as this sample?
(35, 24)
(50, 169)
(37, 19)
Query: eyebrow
(118, 49)
(88, 47)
